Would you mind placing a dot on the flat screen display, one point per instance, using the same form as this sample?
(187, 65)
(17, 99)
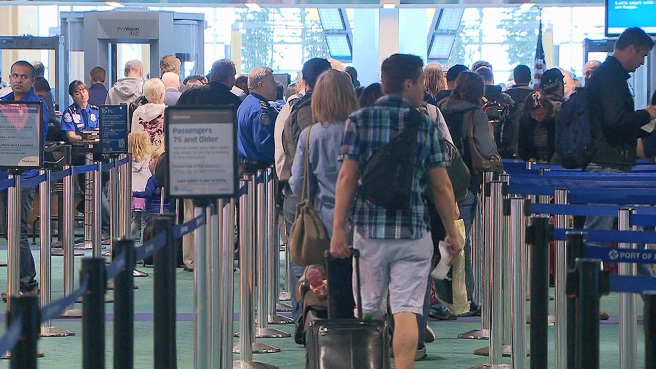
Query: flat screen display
(622, 14)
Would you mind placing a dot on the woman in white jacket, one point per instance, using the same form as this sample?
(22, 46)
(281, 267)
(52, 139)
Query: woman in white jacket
(150, 117)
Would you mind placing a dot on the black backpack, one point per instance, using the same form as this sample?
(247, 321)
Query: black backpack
(575, 140)
(455, 121)
(501, 117)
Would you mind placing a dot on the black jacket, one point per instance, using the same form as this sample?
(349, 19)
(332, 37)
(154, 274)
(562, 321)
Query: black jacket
(526, 147)
(612, 111)
(213, 93)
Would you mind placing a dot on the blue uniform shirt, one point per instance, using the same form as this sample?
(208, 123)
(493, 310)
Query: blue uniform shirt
(30, 96)
(255, 121)
(77, 119)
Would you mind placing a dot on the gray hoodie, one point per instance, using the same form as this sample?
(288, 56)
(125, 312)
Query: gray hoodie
(482, 138)
(125, 90)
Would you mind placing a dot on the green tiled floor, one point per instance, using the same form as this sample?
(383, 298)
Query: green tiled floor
(447, 352)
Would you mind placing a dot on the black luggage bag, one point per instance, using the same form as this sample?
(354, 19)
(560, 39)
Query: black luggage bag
(347, 343)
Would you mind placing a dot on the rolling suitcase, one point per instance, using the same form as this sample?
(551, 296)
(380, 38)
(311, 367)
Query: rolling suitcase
(347, 343)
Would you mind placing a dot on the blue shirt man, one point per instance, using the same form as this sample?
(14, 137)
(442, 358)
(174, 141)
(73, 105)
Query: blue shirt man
(256, 119)
(21, 79)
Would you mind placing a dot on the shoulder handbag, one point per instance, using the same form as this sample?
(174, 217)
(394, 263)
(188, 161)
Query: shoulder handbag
(457, 171)
(478, 163)
(388, 175)
(308, 238)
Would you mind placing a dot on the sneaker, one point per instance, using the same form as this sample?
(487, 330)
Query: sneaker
(441, 313)
(421, 353)
(430, 335)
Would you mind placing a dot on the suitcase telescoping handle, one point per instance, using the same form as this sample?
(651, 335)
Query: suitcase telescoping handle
(356, 256)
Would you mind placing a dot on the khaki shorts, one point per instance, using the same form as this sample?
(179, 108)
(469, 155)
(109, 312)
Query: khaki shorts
(398, 266)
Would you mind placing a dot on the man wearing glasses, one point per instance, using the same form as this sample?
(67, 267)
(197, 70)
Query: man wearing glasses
(21, 79)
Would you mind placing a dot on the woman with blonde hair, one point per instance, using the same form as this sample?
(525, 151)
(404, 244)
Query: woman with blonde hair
(435, 80)
(333, 100)
(150, 117)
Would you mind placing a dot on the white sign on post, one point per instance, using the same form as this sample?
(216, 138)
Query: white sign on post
(201, 144)
(21, 141)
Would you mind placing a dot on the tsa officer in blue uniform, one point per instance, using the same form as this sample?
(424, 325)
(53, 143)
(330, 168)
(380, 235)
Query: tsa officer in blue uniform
(79, 116)
(255, 121)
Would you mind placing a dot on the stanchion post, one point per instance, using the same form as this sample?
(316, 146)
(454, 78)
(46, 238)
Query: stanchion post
(246, 271)
(575, 244)
(114, 200)
(226, 291)
(496, 274)
(486, 309)
(560, 282)
(540, 232)
(68, 242)
(216, 246)
(518, 249)
(125, 181)
(201, 288)
(164, 299)
(124, 306)
(649, 323)
(628, 314)
(506, 256)
(97, 212)
(93, 313)
(13, 235)
(587, 308)
(26, 308)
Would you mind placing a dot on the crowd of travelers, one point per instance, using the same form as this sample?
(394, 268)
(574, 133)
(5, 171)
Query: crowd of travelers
(326, 126)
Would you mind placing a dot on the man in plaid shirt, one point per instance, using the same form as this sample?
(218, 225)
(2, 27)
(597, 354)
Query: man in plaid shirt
(395, 245)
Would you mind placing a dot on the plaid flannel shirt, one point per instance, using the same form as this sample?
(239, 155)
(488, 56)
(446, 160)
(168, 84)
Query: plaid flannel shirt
(372, 127)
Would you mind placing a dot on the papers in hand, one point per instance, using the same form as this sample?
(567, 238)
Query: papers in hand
(649, 127)
(444, 265)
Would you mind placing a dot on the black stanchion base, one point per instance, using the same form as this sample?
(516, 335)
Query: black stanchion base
(475, 334)
(60, 252)
(259, 348)
(280, 319)
(56, 332)
(7, 355)
(252, 365)
(283, 307)
(71, 313)
(285, 296)
(485, 351)
(3, 263)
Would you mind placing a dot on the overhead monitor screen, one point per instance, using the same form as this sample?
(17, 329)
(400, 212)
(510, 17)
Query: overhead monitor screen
(622, 14)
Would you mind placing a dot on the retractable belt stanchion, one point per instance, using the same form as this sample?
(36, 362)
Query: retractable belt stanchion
(226, 286)
(93, 320)
(47, 330)
(649, 323)
(506, 259)
(13, 235)
(114, 200)
(97, 212)
(587, 307)
(125, 197)
(496, 278)
(87, 243)
(481, 258)
(26, 308)
(273, 257)
(529, 251)
(246, 269)
(539, 237)
(575, 244)
(214, 258)
(517, 235)
(164, 317)
(262, 261)
(628, 318)
(68, 243)
(560, 282)
(202, 293)
(124, 306)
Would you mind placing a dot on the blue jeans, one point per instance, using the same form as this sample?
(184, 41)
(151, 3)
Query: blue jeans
(295, 271)
(27, 269)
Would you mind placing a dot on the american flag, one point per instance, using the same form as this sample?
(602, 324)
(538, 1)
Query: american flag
(540, 63)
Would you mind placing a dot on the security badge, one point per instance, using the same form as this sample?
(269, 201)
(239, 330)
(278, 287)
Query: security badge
(92, 117)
